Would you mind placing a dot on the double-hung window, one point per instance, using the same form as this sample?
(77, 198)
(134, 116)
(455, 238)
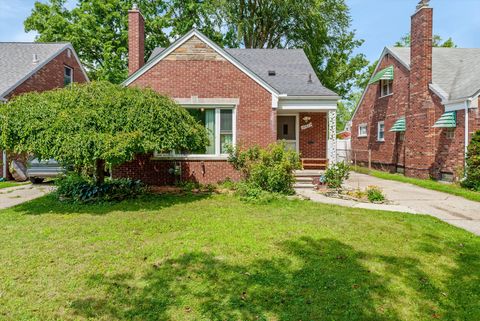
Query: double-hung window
(386, 86)
(67, 75)
(362, 130)
(220, 126)
(381, 131)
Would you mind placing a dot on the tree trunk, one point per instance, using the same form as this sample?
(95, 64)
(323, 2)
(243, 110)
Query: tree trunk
(100, 171)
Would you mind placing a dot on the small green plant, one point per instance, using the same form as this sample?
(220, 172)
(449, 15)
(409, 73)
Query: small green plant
(375, 194)
(336, 174)
(251, 193)
(269, 169)
(472, 179)
(75, 188)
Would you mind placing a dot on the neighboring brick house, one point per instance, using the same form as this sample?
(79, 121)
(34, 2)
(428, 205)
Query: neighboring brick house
(244, 97)
(411, 117)
(27, 67)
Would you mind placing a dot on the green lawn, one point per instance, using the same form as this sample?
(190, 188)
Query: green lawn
(453, 189)
(10, 184)
(216, 258)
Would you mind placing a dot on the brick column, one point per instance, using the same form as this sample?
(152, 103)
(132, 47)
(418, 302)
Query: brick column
(332, 137)
(136, 40)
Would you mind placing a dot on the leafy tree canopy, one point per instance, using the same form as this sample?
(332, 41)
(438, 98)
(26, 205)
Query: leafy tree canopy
(98, 30)
(97, 123)
(437, 42)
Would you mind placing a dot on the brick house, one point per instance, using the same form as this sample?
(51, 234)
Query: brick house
(27, 67)
(244, 97)
(412, 115)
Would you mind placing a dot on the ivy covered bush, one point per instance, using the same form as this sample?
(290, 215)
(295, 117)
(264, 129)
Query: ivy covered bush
(75, 188)
(472, 179)
(97, 125)
(270, 169)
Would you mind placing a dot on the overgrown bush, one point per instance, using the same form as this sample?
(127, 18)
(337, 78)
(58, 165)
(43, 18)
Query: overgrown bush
(375, 194)
(472, 180)
(269, 169)
(79, 189)
(336, 174)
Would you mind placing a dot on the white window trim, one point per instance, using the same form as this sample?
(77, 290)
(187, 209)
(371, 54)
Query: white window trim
(366, 130)
(378, 131)
(65, 67)
(389, 93)
(217, 155)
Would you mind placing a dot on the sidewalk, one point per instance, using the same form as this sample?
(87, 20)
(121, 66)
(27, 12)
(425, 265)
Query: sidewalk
(20, 194)
(412, 199)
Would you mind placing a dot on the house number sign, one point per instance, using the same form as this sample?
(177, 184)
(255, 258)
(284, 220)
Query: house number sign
(309, 125)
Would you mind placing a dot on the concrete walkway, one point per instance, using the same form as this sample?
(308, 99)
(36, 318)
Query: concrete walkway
(412, 199)
(20, 194)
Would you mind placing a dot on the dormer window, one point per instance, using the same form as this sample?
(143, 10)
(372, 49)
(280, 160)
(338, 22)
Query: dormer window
(386, 87)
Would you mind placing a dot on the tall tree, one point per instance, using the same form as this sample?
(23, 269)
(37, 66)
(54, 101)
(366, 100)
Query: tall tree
(437, 42)
(98, 30)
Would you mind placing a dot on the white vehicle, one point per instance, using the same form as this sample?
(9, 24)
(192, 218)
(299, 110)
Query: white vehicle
(38, 171)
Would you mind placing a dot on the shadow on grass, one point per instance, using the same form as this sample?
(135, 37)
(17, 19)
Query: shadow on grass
(49, 204)
(321, 280)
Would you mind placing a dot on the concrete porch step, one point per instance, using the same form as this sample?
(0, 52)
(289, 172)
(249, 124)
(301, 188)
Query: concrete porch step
(303, 186)
(308, 173)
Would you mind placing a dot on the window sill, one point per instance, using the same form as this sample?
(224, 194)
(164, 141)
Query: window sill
(362, 136)
(380, 140)
(386, 96)
(191, 157)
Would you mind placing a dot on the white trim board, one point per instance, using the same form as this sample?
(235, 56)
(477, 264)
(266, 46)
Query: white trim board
(220, 51)
(40, 66)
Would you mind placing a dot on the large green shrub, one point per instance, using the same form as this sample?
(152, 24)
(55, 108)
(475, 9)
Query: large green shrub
(92, 126)
(472, 180)
(75, 188)
(336, 174)
(269, 169)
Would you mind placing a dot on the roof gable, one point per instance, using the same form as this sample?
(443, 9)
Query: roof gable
(17, 61)
(456, 71)
(177, 44)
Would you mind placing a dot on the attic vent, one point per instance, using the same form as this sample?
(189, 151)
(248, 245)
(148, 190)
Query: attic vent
(272, 73)
(35, 59)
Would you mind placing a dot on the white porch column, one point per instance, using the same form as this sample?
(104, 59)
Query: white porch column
(332, 137)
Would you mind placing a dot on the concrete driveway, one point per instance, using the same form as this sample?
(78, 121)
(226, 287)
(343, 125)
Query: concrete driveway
(449, 208)
(20, 194)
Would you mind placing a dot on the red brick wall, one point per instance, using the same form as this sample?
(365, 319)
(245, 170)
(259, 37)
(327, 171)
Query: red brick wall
(51, 75)
(313, 140)
(206, 75)
(373, 109)
(154, 172)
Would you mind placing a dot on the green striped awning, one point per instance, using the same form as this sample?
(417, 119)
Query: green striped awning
(448, 120)
(386, 73)
(399, 126)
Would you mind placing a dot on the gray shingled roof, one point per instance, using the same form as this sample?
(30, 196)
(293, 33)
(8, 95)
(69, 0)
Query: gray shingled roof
(455, 70)
(291, 66)
(16, 61)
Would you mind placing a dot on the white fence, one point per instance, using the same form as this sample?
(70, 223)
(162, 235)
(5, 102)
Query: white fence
(344, 150)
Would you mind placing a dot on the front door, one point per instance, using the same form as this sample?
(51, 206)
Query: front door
(287, 131)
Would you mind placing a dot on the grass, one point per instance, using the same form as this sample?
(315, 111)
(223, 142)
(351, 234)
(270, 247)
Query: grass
(449, 188)
(10, 184)
(216, 258)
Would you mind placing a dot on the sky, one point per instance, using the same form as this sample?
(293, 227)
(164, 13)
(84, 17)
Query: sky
(378, 22)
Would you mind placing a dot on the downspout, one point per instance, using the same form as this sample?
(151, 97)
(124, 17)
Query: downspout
(4, 153)
(468, 103)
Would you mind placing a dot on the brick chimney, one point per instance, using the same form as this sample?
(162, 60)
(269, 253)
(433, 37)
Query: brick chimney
(420, 135)
(136, 40)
